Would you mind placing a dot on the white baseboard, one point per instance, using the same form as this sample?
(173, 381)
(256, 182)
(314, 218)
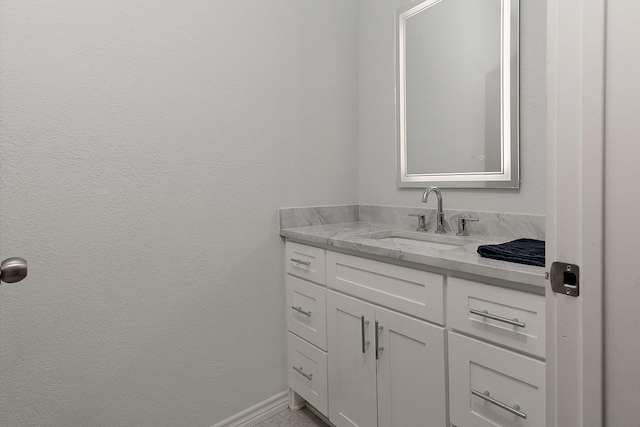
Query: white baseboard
(257, 413)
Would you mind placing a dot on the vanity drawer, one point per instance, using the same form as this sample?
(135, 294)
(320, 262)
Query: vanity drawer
(307, 311)
(510, 378)
(414, 292)
(307, 369)
(505, 316)
(307, 262)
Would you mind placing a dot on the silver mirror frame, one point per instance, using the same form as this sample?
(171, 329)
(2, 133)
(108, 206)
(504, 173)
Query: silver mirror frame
(509, 176)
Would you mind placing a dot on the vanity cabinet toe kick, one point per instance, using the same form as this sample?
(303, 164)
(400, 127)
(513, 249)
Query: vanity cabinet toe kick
(358, 326)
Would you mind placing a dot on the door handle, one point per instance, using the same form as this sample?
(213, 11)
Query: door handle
(364, 323)
(378, 347)
(13, 270)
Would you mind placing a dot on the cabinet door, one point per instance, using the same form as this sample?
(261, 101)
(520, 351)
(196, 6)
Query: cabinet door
(490, 386)
(411, 372)
(467, 301)
(306, 304)
(307, 262)
(308, 372)
(352, 372)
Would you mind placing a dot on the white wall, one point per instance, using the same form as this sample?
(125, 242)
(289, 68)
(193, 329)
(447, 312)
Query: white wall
(622, 203)
(377, 165)
(146, 147)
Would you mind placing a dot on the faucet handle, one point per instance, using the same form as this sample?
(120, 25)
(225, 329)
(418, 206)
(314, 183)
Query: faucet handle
(463, 230)
(422, 224)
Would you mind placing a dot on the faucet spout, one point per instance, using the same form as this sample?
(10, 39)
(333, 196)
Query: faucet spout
(440, 215)
(428, 191)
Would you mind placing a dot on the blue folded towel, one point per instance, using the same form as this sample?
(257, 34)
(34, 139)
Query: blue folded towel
(522, 251)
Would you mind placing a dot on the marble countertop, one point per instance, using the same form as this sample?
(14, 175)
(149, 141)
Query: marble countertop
(351, 237)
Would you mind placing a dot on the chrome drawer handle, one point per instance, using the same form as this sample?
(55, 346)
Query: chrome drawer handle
(515, 409)
(302, 372)
(301, 262)
(364, 323)
(378, 347)
(300, 310)
(485, 313)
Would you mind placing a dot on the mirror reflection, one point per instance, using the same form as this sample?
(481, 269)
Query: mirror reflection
(457, 93)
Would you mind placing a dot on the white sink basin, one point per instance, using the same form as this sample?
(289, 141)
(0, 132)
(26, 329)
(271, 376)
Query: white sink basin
(419, 239)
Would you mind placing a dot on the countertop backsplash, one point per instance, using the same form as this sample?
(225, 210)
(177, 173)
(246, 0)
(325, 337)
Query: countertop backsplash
(491, 224)
(317, 215)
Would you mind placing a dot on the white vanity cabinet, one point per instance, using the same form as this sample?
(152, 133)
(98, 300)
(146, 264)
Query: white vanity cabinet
(352, 378)
(385, 368)
(493, 380)
(373, 344)
(494, 387)
(504, 316)
(307, 324)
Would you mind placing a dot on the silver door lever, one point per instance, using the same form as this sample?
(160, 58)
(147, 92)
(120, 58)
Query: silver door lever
(13, 270)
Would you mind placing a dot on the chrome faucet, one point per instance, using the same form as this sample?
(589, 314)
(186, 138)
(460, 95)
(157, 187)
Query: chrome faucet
(440, 215)
(463, 229)
(422, 223)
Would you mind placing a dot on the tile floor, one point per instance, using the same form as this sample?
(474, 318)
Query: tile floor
(287, 418)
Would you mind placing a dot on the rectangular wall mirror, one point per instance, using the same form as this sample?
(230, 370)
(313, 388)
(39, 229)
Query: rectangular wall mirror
(457, 94)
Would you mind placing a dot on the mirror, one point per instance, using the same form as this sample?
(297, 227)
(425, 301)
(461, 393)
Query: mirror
(457, 94)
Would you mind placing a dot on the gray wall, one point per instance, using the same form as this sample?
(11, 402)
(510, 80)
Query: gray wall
(622, 202)
(377, 166)
(145, 149)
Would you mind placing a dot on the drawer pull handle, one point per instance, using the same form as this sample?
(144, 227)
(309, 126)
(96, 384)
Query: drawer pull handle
(515, 409)
(301, 371)
(378, 348)
(300, 310)
(485, 313)
(364, 323)
(301, 262)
